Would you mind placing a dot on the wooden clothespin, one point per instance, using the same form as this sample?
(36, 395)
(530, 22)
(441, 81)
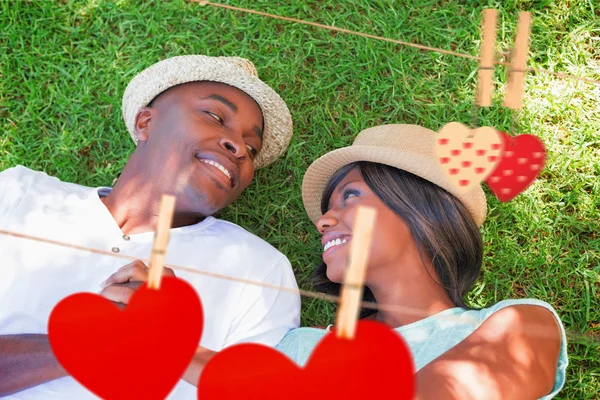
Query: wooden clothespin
(161, 239)
(516, 78)
(486, 58)
(352, 290)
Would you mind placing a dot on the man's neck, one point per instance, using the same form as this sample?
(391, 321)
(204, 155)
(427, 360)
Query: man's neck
(136, 210)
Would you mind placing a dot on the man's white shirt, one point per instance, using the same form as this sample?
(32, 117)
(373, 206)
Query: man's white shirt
(35, 276)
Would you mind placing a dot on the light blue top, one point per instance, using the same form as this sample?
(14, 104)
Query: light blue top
(431, 337)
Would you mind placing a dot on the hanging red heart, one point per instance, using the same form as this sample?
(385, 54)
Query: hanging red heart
(523, 159)
(137, 353)
(375, 364)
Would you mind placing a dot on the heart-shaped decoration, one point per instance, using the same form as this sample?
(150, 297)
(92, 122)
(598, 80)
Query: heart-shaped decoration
(375, 364)
(468, 156)
(137, 353)
(523, 159)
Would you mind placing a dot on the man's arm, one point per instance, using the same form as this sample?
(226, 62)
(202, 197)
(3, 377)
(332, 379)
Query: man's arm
(25, 361)
(512, 355)
(266, 317)
(201, 358)
(120, 286)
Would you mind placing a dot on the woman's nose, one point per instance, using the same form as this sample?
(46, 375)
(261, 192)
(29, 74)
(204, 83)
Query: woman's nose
(326, 221)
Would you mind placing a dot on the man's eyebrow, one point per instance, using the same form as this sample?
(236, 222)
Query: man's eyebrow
(223, 100)
(258, 131)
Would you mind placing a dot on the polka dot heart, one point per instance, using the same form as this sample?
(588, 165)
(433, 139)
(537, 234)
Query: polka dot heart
(523, 160)
(468, 156)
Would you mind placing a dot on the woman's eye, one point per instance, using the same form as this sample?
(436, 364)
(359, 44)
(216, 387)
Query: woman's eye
(349, 193)
(215, 116)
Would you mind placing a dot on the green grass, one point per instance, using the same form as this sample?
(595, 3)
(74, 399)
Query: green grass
(65, 64)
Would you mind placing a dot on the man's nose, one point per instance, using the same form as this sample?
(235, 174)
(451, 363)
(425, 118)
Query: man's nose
(234, 147)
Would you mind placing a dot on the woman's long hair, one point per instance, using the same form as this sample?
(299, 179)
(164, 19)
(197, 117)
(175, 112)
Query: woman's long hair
(441, 226)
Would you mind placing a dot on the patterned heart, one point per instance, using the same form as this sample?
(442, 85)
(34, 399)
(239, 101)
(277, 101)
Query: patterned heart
(375, 364)
(523, 159)
(140, 352)
(468, 156)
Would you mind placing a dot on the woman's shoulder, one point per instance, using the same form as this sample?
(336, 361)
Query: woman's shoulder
(513, 305)
(304, 332)
(535, 323)
(299, 343)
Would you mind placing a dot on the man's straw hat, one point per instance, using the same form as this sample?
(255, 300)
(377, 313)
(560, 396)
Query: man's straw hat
(411, 148)
(234, 71)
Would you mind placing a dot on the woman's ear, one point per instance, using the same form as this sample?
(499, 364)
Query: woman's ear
(142, 122)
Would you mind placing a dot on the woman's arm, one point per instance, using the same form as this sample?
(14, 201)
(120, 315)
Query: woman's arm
(512, 355)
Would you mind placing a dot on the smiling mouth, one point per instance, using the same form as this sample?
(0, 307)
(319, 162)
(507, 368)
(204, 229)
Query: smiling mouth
(220, 168)
(334, 243)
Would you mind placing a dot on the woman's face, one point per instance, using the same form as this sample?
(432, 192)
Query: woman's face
(391, 235)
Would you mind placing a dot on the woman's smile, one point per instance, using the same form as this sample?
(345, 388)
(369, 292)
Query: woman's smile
(333, 245)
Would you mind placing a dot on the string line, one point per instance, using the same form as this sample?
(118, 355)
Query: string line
(400, 42)
(533, 329)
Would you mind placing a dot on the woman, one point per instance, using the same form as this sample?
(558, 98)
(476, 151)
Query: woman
(426, 254)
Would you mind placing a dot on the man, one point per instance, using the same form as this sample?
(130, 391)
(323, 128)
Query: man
(202, 125)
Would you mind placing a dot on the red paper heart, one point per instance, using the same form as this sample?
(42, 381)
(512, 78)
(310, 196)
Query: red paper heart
(136, 353)
(375, 364)
(523, 159)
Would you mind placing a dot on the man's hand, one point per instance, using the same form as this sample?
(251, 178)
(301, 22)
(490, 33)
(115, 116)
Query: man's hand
(120, 286)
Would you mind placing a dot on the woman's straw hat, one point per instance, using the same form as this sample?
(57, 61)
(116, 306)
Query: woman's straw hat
(234, 71)
(411, 148)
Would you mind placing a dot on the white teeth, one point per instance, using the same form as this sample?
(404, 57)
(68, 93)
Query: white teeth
(334, 242)
(219, 166)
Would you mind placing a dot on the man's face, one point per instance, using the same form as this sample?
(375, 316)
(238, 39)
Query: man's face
(198, 141)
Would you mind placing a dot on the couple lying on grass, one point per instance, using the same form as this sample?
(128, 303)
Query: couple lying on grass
(202, 126)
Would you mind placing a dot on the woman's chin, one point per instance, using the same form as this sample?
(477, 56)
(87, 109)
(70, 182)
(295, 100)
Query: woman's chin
(334, 274)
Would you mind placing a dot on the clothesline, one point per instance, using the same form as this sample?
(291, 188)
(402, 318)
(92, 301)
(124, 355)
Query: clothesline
(400, 42)
(533, 329)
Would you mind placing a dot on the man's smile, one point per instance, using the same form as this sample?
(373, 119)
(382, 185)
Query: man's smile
(227, 175)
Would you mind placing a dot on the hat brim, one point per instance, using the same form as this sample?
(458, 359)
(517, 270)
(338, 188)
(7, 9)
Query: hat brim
(319, 173)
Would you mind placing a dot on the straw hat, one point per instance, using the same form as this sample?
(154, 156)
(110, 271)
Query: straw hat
(411, 148)
(233, 71)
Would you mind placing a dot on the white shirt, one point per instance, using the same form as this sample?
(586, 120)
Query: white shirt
(35, 276)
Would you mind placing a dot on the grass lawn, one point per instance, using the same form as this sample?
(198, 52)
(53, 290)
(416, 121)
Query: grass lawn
(64, 66)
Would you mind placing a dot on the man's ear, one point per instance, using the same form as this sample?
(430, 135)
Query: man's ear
(142, 123)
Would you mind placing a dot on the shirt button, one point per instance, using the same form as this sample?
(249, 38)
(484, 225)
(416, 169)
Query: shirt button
(115, 249)
(125, 237)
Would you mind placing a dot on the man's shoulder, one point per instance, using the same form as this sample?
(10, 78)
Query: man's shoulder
(18, 171)
(23, 174)
(22, 181)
